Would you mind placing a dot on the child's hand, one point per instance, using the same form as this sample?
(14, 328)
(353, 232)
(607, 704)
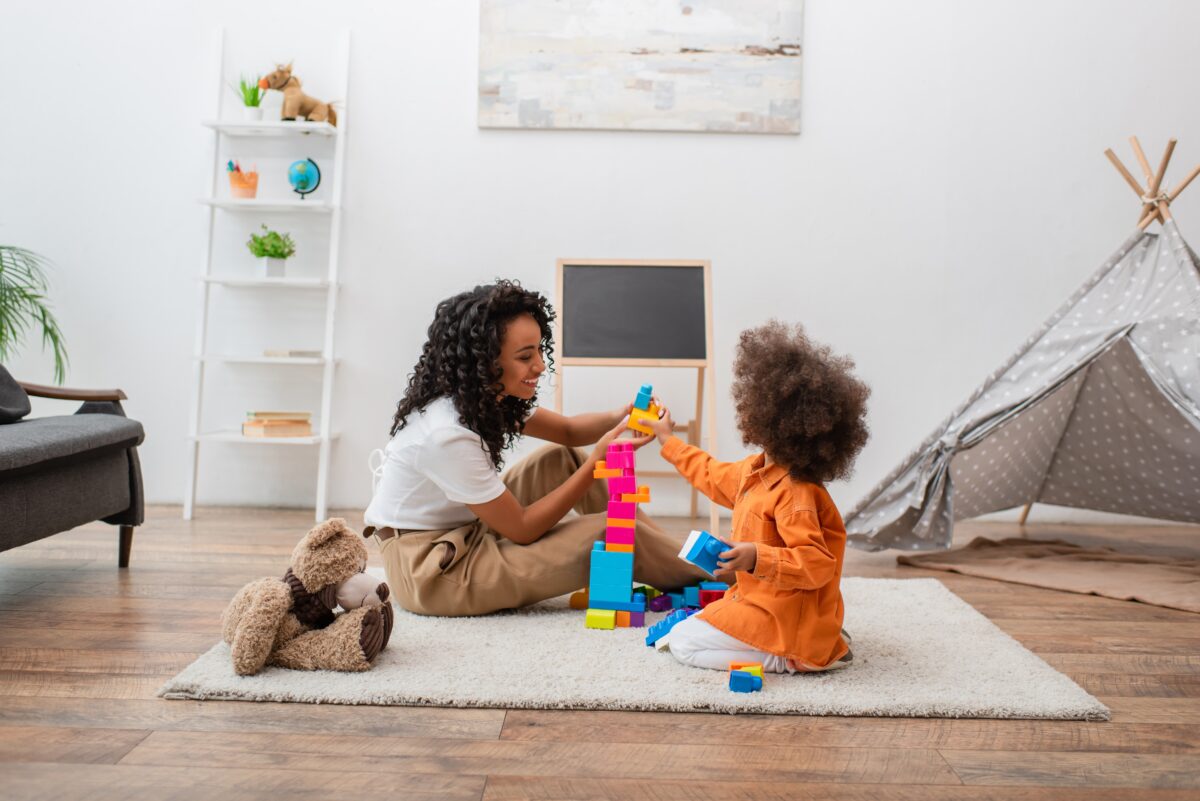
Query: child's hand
(664, 426)
(741, 556)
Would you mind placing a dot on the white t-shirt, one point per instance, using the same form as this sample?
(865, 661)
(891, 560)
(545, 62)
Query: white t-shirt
(432, 469)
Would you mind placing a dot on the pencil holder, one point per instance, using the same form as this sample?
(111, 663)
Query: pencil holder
(243, 184)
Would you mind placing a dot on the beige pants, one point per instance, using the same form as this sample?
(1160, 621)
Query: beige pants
(471, 571)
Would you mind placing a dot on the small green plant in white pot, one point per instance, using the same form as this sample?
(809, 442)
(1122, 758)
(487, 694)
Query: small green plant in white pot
(272, 249)
(251, 96)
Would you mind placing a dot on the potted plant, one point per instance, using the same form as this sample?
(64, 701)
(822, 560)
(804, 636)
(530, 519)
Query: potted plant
(23, 306)
(272, 249)
(252, 97)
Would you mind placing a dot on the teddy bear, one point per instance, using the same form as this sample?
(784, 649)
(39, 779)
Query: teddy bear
(291, 622)
(295, 102)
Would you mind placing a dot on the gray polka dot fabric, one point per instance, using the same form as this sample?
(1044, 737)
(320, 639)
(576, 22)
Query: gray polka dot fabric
(1099, 409)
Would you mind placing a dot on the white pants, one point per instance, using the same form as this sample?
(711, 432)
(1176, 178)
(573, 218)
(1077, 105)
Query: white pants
(694, 642)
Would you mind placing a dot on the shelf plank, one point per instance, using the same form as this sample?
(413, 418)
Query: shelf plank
(271, 128)
(308, 206)
(237, 436)
(288, 360)
(273, 283)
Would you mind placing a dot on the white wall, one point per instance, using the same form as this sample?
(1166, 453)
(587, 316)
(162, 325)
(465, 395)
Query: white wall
(946, 193)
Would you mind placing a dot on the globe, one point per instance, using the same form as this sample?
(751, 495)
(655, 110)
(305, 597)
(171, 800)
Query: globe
(304, 176)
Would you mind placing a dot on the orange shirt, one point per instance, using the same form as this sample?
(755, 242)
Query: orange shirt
(791, 605)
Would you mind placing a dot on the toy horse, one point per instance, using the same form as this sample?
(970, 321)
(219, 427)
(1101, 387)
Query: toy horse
(295, 102)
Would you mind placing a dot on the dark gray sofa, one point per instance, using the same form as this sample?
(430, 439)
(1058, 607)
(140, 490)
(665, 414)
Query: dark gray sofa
(60, 472)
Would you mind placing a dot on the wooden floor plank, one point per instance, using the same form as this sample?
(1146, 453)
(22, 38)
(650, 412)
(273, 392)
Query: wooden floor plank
(641, 761)
(61, 744)
(45, 782)
(1004, 735)
(1077, 770)
(1129, 709)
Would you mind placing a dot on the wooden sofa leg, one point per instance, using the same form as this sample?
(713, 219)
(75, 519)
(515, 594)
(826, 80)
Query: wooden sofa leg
(125, 547)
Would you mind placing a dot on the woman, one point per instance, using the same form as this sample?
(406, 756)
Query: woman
(457, 538)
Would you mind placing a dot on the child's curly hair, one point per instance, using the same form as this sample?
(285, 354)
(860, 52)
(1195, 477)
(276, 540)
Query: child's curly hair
(799, 402)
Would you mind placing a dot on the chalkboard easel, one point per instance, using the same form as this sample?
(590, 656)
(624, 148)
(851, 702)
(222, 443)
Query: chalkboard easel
(640, 313)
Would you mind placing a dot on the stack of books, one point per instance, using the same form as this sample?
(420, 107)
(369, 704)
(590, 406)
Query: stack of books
(277, 424)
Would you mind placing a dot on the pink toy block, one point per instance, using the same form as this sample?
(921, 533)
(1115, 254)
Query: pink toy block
(620, 509)
(619, 535)
(622, 460)
(623, 485)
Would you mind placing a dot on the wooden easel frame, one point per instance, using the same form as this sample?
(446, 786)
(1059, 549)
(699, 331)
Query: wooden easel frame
(705, 373)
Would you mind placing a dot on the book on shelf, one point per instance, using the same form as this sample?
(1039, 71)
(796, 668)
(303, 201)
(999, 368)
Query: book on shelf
(284, 353)
(270, 415)
(277, 428)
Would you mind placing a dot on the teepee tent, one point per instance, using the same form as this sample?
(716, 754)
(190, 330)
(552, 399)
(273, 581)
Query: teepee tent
(1099, 409)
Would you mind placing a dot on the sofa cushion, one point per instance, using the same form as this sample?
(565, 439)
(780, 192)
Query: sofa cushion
(29, 444)
(14, 403)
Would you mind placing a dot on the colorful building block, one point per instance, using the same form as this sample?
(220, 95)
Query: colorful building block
(602, 470)
(637, 620)
(622, 619)
(648, 590)
(719, 586)
(619, 534)
(579, 600)
(644, 397)
(708, 596)
(701, 549)
(691, 596)
(664, 626)
(623, 511)
(676, 600)
(632, 605)
(621, 522)
(742, 682)
(659, 603)
(638, 416)
(641, 496)
(626, 487)
(620, 456)
(600, 619)
(750, 667)
(620, 547)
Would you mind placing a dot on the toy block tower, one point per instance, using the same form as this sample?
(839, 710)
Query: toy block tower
(611, 601)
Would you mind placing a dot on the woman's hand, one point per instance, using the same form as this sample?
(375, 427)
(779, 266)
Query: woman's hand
(600, 452)
(741, 556)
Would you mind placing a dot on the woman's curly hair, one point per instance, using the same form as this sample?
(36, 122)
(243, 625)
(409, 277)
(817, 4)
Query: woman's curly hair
(799, 402)
(460, 361)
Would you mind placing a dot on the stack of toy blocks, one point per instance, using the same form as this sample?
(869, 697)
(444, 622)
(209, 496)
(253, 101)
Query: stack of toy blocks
(745, 677)
(611, 600)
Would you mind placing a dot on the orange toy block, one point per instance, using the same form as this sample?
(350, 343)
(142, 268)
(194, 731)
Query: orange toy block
(579, 600)
(622, 619)
(622, 522)
(604, 471)
(618, 546)
(642, 496)
(753, 668)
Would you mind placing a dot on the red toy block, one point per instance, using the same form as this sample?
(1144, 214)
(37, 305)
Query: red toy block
(708, 596)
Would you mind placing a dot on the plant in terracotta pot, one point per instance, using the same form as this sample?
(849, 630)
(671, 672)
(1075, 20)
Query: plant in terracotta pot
(272, 249)
(23, 306)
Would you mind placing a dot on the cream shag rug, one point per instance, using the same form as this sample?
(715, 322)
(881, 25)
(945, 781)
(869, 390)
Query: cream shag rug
(919, 651)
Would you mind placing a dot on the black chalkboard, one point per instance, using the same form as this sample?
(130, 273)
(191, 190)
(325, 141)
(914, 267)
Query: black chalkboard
(627, 311)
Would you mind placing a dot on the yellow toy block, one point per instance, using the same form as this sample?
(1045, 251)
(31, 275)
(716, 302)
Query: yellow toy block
(600, 619)
(622, 619)
(579, 600)
(754, 668)
(641, 496)
(603, 471)
(622, 522)
(637, 415)
(651, 593)
(618, 546)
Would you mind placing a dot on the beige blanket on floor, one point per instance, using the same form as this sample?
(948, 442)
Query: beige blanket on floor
(1059, 565)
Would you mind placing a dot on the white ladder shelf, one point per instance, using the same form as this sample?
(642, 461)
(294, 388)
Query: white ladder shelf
(314, 213)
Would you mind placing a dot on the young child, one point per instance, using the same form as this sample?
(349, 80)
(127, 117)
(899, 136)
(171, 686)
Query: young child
(805, 409)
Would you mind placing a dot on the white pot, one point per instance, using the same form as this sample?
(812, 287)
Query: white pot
(272, 268)
(251, 113)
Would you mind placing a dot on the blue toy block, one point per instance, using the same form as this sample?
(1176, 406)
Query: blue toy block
(598, 545)
(619, 606)
(662, 627)
(701, 549)
(691, 596)
(645, 393)
(741, 681)
(676, 600)
(719, 586)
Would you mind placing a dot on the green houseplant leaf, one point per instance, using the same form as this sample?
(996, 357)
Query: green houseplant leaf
(23, 306)
(271, 244)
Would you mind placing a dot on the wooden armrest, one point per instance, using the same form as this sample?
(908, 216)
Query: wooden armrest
(63, 393)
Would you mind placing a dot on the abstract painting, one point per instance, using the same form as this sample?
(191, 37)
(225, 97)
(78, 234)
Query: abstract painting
(644, 65)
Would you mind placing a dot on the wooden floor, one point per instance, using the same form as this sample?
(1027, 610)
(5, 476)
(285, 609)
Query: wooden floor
(84, 646)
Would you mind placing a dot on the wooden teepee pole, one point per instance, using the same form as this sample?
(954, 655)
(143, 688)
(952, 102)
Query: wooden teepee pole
(1174, 193)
